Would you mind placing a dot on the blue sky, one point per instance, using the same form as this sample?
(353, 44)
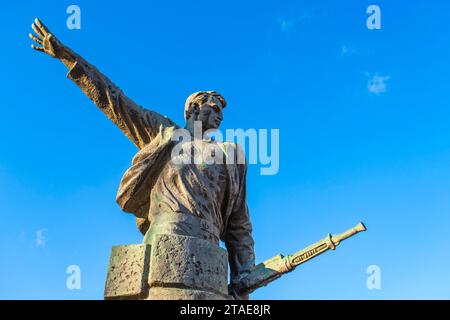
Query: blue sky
(349, 151)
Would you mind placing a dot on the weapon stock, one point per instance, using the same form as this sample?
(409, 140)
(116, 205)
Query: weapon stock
(275, 267)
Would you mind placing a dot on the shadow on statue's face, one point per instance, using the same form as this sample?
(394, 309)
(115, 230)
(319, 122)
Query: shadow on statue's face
(210, 114)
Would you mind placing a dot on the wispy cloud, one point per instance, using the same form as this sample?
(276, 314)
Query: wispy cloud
(347, 50)
(40, 239)
(377, 83)
(287, 24)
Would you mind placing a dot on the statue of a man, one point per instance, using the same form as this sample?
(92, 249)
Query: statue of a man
(207, 201)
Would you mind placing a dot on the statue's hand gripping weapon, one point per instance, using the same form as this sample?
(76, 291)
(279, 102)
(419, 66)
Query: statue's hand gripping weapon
(275, 267)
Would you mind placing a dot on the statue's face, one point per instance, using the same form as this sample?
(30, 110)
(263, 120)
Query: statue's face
(210, 114)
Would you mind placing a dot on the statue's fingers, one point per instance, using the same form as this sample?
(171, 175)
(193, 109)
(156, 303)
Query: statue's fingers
(34, 38)
(37, 30)
(37, 48)
(41, 26)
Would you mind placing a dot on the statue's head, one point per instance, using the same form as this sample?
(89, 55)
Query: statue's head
(206, 107)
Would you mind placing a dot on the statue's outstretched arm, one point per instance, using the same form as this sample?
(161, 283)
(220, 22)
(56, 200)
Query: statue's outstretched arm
(138, 124)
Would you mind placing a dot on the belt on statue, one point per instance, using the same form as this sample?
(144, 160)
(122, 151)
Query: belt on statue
(182, 224)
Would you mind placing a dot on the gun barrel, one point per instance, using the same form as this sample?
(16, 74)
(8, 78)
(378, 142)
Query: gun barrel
(329, 242)
(349, 233)
(275, 267)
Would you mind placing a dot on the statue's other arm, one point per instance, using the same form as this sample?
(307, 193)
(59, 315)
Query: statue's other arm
(238, 237)
(138, 124)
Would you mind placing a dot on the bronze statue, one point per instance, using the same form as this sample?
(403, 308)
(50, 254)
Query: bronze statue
(203, 201)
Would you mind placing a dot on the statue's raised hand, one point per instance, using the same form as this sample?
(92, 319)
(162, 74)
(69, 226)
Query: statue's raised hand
(48, 43)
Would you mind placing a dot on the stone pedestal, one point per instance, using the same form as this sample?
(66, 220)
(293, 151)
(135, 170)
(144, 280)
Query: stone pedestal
(128, 272)
(174, 267)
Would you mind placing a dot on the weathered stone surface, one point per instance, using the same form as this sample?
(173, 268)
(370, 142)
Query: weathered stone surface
(128, 272)
(160, 293)
(188, 262)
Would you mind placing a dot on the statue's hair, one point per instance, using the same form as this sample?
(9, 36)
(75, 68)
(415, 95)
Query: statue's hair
(198, 98)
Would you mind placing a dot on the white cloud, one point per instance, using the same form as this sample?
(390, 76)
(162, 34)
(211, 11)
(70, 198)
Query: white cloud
(288, 24)
(40, 240)
(347, 51)
(377, 83)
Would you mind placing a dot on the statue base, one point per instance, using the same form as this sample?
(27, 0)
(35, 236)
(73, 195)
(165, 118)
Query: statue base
(173, 268)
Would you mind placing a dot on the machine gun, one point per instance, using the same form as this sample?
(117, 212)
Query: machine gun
(275, 267)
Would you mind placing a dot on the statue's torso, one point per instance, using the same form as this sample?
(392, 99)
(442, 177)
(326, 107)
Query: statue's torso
(194, 189)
